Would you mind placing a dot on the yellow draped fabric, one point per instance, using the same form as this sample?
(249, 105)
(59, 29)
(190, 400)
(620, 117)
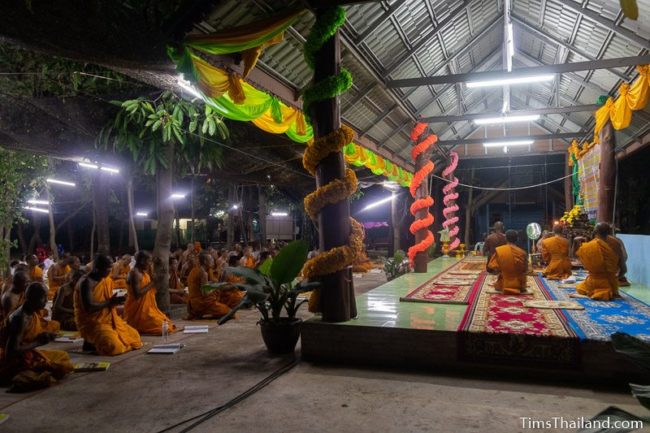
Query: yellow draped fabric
(227, 88)
(632, 97)
(249, 39)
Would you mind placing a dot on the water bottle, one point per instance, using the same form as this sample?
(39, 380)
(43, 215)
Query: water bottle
(165, 330)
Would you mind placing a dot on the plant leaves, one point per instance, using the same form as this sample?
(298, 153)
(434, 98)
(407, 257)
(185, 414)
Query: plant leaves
(289, 261)
(635, 349)
(611, 415)
(251, 275)
(265, 268)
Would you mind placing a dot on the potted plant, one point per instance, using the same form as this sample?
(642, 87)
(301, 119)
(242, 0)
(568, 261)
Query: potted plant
(396, 265)
(272, 291)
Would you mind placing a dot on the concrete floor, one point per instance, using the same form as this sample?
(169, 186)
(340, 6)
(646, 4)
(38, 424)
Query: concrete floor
(148, 393)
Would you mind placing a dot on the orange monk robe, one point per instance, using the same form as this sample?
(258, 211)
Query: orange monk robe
(511, 262)
(555, 252)
(120, 281)
(36, 274)
(105, 329)
(52, 284)
(602, 263)
(200, 304)
(143, 313)
(249, 262)
(54, 363)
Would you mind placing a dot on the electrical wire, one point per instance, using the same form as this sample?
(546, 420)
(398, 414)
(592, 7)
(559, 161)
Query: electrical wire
(244, 395)
(485, 188)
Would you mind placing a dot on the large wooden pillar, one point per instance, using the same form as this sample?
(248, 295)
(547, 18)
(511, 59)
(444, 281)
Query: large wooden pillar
(421, 258)
(337, 301)
(568, 184)
(607, 182)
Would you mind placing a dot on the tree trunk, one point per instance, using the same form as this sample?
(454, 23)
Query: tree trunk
(164, 231)
(92, 235)
(20, 232)
(36, 236)
(133, 234)
(52, 228)
(230, 224)
(193, 238)
(394, 224)
(100, 202)
(261, 198)
(607, 182)
(337, 301)
(6, 235)
(178, 233)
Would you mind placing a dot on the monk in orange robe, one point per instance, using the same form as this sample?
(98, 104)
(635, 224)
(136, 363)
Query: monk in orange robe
(511, 263)
(15, 295)
(57, 275)
(63, 303)
(120, 272)
(176, 291)
(619, 248)
(35, 271)
(200, 304)
(95, 311)
(140, 309)
(21, 363)
(555, 252)
(494, 240)
(248, 260)
(602, 263)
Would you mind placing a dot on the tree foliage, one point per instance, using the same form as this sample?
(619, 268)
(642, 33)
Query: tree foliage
(22, 174)
(143, 126)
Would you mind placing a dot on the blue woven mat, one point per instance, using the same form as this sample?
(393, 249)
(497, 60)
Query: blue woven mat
(599, 320)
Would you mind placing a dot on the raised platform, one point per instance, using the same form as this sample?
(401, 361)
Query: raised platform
(435, 336)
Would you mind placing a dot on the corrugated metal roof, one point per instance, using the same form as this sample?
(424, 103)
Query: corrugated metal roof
(388, 38)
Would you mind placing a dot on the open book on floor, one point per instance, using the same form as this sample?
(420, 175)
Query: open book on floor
(91, 366)
(166, 349)
(68, 337)
(195, 329)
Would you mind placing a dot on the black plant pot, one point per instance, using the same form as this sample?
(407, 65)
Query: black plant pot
(281, 337)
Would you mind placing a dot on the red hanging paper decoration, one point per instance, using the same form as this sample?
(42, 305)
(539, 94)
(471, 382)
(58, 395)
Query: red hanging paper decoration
(449, 200)
(423, 202)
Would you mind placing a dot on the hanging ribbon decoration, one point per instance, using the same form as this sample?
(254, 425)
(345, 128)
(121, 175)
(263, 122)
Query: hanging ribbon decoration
(341, 257)
(423, 202)
(449, 200)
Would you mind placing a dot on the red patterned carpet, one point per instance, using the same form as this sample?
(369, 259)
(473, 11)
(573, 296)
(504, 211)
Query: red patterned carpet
(500, 328)
(451, 286)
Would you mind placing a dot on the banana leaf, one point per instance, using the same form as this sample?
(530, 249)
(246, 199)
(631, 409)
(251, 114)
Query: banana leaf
(212, 286)
(250, 275)
(289, 261)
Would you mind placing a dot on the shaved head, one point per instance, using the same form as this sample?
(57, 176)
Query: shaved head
(558, 229)
(603, 229)
(498, 227)
(511, 236)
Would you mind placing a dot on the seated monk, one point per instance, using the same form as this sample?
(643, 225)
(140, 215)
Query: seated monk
(63, 304)
(35, 272)
(120, 272)
(15, 295)
(494, 240)
(140, 309)
(95, 311)
(21, 364)
(210, 304)
(602, 263)
(555, 252)
(619, 248)
(248, 260)
(511, 263)
(57, 275)
(176, 291)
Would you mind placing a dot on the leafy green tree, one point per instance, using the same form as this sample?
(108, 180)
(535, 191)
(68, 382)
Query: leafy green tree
(22, 174)
(159, 134)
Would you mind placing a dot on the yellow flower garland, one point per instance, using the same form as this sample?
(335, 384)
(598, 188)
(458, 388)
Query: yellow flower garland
(317, 150)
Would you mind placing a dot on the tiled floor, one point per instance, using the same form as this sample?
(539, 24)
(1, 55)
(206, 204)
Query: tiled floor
(382, 307)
